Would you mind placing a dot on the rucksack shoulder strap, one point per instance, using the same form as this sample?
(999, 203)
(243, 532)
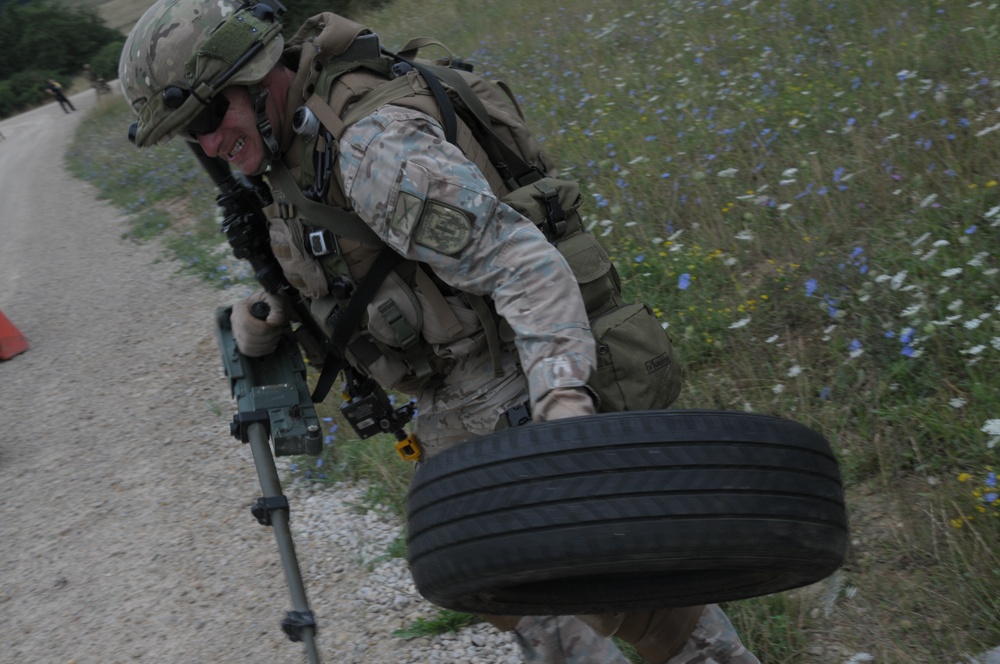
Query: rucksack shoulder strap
(338, 222)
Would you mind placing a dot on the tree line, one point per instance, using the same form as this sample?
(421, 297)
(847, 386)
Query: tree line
(43, 39)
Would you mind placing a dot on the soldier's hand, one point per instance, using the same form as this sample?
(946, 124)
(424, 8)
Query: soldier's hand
(563, 402)
(255, 335)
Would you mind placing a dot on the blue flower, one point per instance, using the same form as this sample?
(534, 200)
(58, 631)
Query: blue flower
(810, 287)
(991, 479)
(855, 344)
(640, 258)
(684, 282)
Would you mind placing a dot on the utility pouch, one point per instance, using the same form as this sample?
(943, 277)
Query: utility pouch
(636, 365)
(551, 203)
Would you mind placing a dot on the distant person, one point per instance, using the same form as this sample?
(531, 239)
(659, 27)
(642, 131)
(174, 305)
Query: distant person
(56, 91)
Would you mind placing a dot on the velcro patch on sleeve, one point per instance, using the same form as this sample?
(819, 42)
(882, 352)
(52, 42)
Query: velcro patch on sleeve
(444, 229)
(407, 213)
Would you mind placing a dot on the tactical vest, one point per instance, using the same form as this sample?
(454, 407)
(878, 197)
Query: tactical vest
(348, 78)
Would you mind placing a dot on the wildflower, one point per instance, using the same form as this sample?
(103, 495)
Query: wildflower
(740, 323)
(744, 235)
(957, 403)
(794, 371)
(951, 272)
(778, 389)
(684, 282)
(991, 427)
(810, 287)
(728, 173)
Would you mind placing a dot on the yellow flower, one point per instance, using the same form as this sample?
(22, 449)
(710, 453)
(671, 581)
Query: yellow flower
(964, 477)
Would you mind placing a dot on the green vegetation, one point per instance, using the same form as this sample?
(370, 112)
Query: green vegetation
(445, 621)
(44, 40)
(807, 193)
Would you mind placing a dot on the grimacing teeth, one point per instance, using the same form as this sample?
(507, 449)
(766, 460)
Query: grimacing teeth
(236, 148)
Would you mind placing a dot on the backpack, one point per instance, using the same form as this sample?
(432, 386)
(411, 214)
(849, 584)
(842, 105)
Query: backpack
(637, 368)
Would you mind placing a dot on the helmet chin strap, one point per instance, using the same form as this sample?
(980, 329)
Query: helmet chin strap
(258, 101)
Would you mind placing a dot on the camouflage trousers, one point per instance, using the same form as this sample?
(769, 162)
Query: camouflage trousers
(571, 640)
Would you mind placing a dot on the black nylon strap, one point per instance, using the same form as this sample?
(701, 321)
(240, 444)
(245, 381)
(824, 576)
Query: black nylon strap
(350, 318)
(448, 117)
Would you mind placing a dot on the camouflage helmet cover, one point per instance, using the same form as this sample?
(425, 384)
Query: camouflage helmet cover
(197, 47)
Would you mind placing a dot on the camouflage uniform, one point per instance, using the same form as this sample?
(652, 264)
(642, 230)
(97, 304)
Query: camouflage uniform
(504, 256)
(423, 198)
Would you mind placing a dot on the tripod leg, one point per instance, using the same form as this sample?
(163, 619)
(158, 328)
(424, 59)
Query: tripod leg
(272, 510)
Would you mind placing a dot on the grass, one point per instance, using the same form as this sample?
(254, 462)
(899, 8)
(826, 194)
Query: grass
(807, 193)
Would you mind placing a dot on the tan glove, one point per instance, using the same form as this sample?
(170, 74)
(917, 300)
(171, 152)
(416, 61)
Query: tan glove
(256, 337)
(563, 402)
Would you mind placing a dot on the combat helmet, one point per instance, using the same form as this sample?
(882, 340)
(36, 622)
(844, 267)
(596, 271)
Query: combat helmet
(182, 53)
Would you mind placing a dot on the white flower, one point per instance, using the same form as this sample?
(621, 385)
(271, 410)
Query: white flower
(911, 310)
(897, 280)
(794, 371)
(995, 342)
(992, 427)
(728, 173)
(774, 337)
(952, 272)
(927, 201)
(740, 323)
(977, 260)
(784, 206)
(958, 403)
(975, 350)
(972, 324)
(789, 172)
(744, 235)
(778, 389)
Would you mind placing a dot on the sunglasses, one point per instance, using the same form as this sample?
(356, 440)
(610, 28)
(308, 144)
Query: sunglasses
(210, 117)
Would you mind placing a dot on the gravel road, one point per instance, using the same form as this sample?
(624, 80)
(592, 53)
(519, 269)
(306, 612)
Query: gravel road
(125, 530)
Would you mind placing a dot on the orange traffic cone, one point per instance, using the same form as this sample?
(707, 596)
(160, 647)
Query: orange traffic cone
(12, 341)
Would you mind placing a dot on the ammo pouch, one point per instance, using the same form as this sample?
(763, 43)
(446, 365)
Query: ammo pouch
(636, 365)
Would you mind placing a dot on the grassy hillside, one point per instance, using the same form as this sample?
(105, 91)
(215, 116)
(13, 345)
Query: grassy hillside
(807, 193)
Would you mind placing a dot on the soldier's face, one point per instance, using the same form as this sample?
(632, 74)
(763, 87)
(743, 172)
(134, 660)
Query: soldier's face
(236, 139)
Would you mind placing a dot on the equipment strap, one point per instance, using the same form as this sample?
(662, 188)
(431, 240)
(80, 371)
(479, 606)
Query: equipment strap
(350, 318)
(337, 221)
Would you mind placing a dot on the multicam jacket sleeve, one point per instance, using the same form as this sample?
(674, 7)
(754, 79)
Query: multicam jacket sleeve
(429, 203)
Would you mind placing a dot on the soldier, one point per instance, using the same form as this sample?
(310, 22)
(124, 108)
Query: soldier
(219, 72)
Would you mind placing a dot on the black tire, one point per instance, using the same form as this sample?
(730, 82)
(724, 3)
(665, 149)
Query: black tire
(623, 511)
